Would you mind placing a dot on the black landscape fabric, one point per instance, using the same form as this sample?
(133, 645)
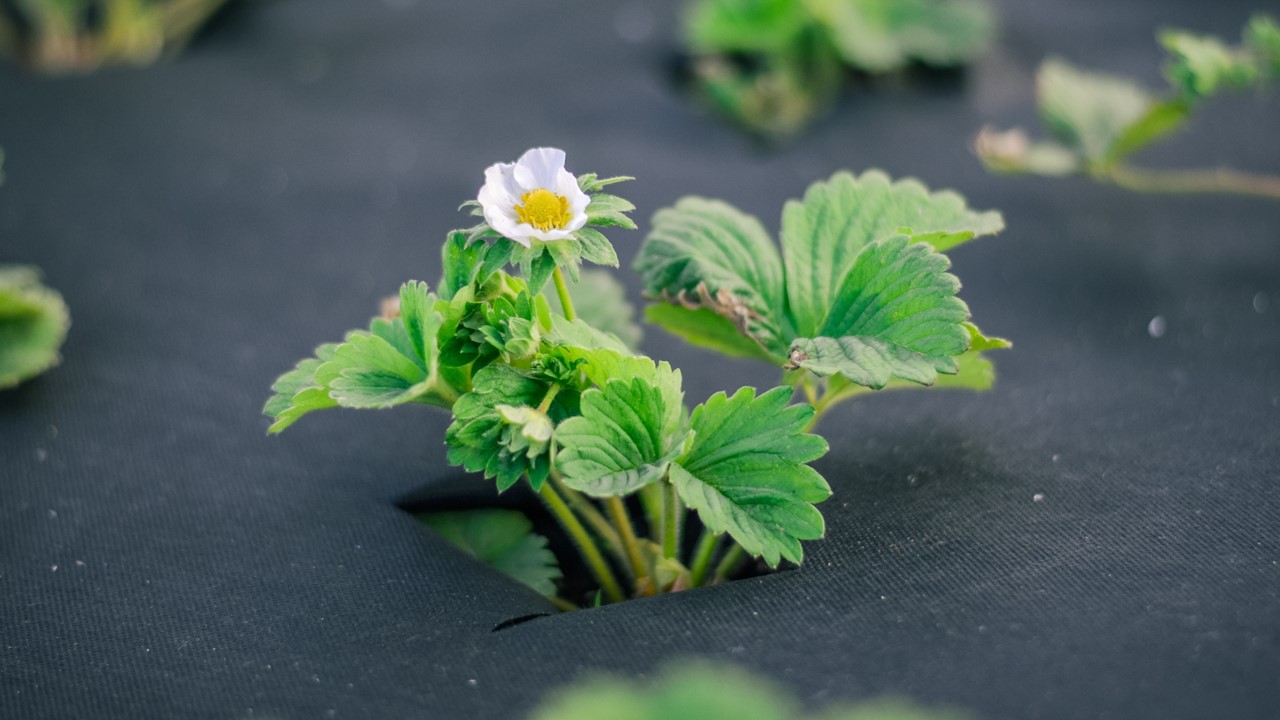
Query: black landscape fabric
(1096, 538)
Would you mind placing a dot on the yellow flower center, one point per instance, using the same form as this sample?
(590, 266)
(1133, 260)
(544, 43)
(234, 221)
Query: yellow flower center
(543, 209)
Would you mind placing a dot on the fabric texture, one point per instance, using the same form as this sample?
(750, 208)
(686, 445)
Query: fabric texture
(1094, 538)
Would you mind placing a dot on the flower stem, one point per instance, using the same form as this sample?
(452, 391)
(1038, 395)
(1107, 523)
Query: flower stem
(1216, 180)
(670, 521)
(590, 553)
(618, 512)
(702, 557)
(588, 512)
(566, 302)
(545, 405)
(729, 563)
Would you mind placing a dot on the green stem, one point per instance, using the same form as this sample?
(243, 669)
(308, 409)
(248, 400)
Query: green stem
(566, 302)
(1216, 180)
(588, 512)
(702, 557)
(670, 521)
(545, 405)
(618, 512)
(729, 563)
(651, 499)
(590, 553)
(562, 604)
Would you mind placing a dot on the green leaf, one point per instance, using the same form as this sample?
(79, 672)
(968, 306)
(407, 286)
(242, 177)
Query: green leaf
(395, 362)
(745, 472)
(974, 371)
(1262, 38)
(884, 35)
(578, 333)
(824, 234)
(702, 690)
(627, 435)
(538, 268)
(706, 328)
(744, 25)
(1161, 120)
(490, 434)
(297, 393)
(610, 211)
(1200, 66)
(707, 253)
(601, 302)
(33, 325)
(590, 182)
(895, 316)
(1089, 112)
(596, 248)
(776, 94)
(461, 260)
(502, 539)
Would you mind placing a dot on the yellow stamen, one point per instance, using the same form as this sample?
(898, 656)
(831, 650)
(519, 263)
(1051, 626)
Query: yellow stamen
(543, 209)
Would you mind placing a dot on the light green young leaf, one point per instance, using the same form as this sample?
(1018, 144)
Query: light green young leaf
(746, 474)
(297, 393)
(601, 302)
(627, 435)
(395, 362)
(823, 235)
(578, 333)
(33, 325)
(1200, 66)
(1089, 112)
(896, 315)
(709, 254)
(610, 211)
(591, 183)
(502, 539)
(884, 35)
(594, 247)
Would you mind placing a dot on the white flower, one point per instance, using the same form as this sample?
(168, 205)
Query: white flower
(534, 198)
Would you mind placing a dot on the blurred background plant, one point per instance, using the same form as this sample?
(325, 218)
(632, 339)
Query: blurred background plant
(33, 321)
(773, 65)
(60, 36)
(701, 690)
(33, 324)
(1099, 120)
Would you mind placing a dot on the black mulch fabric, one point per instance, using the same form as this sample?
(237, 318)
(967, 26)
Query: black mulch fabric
(1097, 538)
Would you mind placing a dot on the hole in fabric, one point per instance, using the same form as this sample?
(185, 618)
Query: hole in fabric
(518, 620)
(577, 586)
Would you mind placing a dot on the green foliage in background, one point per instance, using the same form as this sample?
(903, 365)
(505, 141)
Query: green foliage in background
(1098, 121)
(700, 690)
(79, 35)
(33, 325)
(502, 539)
(772, 65)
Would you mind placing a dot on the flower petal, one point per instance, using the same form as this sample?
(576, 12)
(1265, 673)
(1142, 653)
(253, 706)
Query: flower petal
(539, 168)
(508, 228)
